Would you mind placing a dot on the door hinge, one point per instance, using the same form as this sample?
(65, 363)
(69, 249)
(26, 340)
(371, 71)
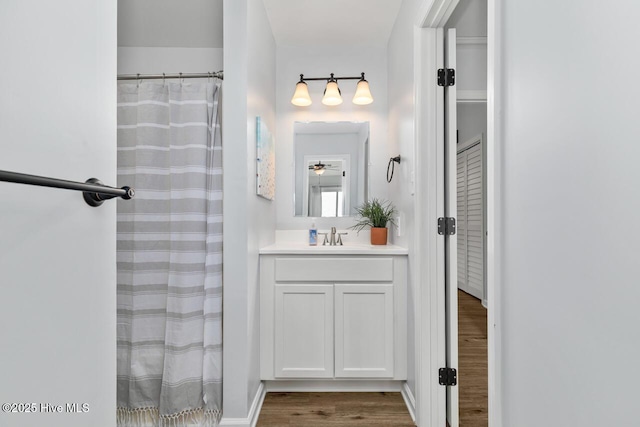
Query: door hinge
(448, 376)
(446, 77)
(447, 226)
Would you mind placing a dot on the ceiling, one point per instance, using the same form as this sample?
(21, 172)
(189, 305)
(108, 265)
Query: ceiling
(198, 23)
(303, 128)
(332, 22)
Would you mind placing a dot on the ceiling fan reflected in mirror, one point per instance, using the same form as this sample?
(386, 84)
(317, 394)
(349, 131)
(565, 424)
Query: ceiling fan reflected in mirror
(319, 168)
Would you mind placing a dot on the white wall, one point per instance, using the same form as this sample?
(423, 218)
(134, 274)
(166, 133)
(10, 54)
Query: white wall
(320, 62)
(162, 23)
(470, 21)
(158, 60)
(261, 101)
(471, 66)
(469, 18)
(248, 91)
(57, 254)
(402, 141)
(570, 201)
(472, 120)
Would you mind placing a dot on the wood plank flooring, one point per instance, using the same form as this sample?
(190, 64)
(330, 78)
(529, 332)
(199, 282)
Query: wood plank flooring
(472, 362)
(334, 410)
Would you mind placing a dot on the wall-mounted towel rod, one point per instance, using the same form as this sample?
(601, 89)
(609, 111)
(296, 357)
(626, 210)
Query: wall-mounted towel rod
(93, 191)
(207, 75)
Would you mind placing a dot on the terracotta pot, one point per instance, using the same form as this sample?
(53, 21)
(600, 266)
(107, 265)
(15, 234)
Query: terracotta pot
(378, 235)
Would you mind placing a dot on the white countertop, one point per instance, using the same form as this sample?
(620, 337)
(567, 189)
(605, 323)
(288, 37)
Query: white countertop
(297, 248)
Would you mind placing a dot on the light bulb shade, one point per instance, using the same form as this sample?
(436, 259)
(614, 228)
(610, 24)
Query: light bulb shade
(332, 94)
(363, 94)
(319, 171)
(301, 96)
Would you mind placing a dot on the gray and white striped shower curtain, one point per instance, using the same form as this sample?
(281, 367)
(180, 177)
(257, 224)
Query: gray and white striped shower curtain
(170, 255)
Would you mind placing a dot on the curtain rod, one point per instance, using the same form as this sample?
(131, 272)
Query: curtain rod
(207, 75)
(93, 191)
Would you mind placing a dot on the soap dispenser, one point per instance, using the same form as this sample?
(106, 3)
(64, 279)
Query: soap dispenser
(313, 235)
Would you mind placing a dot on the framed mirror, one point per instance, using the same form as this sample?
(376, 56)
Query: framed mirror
(331, 168)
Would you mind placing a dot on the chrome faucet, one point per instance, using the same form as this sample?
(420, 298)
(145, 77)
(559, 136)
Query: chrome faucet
(332, 240)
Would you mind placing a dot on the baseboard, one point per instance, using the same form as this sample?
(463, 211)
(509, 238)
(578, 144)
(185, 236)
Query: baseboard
(334, 386)
(409, 400)
(254, 411)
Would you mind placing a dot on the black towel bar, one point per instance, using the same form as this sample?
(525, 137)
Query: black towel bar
(93, 191)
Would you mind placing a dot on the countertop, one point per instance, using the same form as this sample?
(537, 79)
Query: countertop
(297, 248)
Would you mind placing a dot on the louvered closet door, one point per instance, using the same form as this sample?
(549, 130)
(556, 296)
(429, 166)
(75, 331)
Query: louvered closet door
(471, 221)
(461, 226)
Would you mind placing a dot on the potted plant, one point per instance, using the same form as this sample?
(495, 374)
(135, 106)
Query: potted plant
(376, 214)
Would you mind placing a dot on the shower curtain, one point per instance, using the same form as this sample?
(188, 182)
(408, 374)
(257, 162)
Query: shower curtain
(169, 252)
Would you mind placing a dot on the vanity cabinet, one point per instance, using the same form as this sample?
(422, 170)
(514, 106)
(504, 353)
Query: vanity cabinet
(333, 317)
(303, 331)
(364, 332)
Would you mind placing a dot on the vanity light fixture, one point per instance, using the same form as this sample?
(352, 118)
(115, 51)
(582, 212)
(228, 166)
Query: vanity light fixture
(332, 95)
(301, 96)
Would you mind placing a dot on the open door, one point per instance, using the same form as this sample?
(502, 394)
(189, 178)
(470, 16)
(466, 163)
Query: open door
(57, 253)
(450, 209)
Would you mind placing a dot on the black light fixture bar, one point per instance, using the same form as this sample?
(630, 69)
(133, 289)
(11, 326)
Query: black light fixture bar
(93, 191)
(302, 78)
(332, 94)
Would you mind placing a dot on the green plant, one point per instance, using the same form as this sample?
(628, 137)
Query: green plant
(375, 213)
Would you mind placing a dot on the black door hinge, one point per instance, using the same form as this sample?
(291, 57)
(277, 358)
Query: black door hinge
(446, 77)
(448, 376)
(447, 226)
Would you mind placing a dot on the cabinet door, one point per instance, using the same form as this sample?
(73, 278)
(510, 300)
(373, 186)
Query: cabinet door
(364, 331)
(303, 331)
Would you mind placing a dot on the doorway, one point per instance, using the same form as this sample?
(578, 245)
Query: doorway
(471, 253)
(468, 26)
(440, 109)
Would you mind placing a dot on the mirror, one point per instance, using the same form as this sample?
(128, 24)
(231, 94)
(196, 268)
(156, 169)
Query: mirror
(331, 168)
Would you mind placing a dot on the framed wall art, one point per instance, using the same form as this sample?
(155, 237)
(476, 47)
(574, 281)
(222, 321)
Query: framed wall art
(265, 161)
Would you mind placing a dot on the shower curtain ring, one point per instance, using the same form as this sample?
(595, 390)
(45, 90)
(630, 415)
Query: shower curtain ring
(208, 77)
(138, 80)
(163, 76)
(181, 79)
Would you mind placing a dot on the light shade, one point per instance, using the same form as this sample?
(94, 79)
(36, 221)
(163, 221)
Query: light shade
(301, 96)
(332, 94)
(319, 171)
(363, 94)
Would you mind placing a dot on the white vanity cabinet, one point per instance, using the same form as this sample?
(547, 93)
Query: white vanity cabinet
(333, 316)
(364, 331)
(303, 331)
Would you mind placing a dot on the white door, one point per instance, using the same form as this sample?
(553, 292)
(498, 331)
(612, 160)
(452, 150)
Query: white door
(57, 254)
(364, 331)
(303, 331)
(451, 241)
(470, 228)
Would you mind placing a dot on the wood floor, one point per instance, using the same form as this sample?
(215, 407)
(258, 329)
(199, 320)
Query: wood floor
(334, 410)
(472, 362)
